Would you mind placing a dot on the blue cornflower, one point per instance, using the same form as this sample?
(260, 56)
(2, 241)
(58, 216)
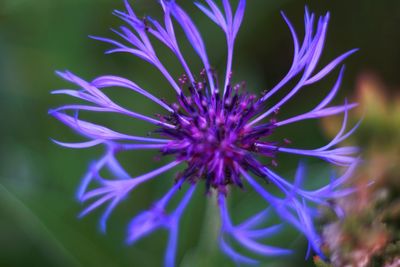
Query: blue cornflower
(218, 133)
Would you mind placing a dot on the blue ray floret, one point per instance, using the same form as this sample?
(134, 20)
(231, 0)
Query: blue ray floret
(219, 134)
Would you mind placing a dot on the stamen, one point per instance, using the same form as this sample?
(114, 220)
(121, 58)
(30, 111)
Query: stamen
(215, 138)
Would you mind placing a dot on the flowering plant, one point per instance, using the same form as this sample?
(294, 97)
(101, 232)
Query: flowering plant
(219, 131)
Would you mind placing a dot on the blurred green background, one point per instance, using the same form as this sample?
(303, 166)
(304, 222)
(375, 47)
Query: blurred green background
(38, 212)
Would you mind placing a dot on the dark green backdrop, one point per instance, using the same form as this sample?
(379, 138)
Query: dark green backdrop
(38, 213)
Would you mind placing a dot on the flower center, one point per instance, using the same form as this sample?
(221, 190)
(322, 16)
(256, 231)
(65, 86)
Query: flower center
(213, 136)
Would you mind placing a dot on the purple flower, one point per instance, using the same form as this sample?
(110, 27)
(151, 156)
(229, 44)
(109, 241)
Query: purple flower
(220, 134)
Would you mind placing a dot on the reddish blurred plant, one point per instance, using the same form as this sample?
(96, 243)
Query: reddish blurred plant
(370, 233)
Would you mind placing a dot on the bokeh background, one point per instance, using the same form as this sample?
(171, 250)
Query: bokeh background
(38, 212)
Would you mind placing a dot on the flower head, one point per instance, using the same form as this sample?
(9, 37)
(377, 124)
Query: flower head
(219, 131)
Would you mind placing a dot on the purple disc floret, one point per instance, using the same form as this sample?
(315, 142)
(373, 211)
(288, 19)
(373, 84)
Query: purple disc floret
(222, 133)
